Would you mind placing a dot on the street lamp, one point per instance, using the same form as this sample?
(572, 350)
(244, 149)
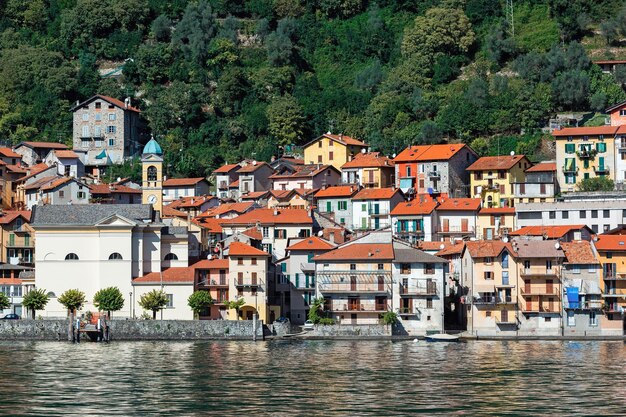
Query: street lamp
(130, 304)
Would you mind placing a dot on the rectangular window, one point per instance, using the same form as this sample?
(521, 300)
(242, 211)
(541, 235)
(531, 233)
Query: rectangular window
(594, 214)
(565, 214)
(85, 131)
(111, 129)
(111, 116)
(405, 269)
(111, 142)
(253, 261)
(99, 143)
(552, 214)
(571, 318)
(575, 269)
(582, 214)
(331, 156)
(601, 147)
(429, 303)
(488, 260)
(97, 131)
(381, 267)
(593, 320)
(170, 300)
(606, 214)
(319, 144)
(85, 117)
(98, 105)
(61, 194)
(266, 231)
(429, 269)
(352, 267)
(81, 195)
(570, 148)
(98, 117)
(488, 275)
(239, 261)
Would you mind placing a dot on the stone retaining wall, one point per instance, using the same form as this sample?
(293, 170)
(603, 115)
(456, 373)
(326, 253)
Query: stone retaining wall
(136, 329)
(350, 331)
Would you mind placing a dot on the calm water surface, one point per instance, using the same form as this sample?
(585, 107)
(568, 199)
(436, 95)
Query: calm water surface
(313, 378)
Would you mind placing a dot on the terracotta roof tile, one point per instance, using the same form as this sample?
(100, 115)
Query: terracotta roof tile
(305, 171)
(495, 162)
(43, 145)
(579, 252)
(439, 152)
(66, 154)
(358, 251)
(56, 183)
(172, 212)
(450, 204)
(497, 210)
(271, 216)
(211, 264)
(234, 184)
(487, 248)
(10, 215)
(107, 189)
(255, 195)
(178, 182)
(253, 233)
(451, 249)
(8, 153)
(368, 160)
(252, 167)
(337, 191)
(585, 131)
(376, 193)
(191, 202)
(543, 167)
(408, 208)
(551, 232)
(226, 208)
(241, 249)
(34, 170)
(312, 243)
(224, 169)
(210, 224)
(176, 275)
(611, 243)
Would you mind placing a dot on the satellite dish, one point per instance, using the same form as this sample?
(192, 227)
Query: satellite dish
(394, 155)
(254, 162)
(442, 246)
(363, 150)
(209, 257)
(479, 189)
(512, 153)
(320, 233)
(557, 246)
(505, 239)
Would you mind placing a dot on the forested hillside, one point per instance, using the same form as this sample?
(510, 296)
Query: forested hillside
(221, 80)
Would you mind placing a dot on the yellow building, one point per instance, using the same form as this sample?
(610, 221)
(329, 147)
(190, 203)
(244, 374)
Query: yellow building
(333, 150)
(493, 178)
(248, 270)
(152, 175)
(494, 223)
(16, 238)
(612, 256)
(585, 152)
(370, 170)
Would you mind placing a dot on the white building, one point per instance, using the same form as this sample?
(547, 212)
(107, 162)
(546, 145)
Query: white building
(371, 207)
(67, 162)
(414, 221)
(174, 188)
(457, 217)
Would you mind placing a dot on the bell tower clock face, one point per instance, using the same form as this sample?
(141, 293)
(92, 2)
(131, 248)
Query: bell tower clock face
(152, 199)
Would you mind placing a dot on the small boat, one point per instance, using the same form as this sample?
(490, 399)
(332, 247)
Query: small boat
(442, 337)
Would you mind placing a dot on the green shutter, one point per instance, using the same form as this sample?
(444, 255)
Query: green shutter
(329, 206)
(601, 147)
(601, 163)
(306, 276)
(310, 257)
(586, 163)
(283, 267)
(26, 240)
(297, 280)
(12, 239)
(570, 148)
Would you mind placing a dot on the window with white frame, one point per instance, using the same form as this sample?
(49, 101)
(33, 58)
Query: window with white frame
(170, 300)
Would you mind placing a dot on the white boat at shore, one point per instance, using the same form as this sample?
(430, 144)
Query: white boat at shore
(442, 337)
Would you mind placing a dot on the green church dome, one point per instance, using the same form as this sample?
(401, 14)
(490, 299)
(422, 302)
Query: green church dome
(152, 147)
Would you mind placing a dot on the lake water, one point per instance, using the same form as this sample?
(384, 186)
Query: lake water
(324, 378)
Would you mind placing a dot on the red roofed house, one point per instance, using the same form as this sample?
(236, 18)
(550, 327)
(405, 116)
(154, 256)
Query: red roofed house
(34, 152)
(194, 205)
(114, 193)
(174, 188)
(212, 275)
(288, 199)
(336, 202)
(334, 150)
(56, 190)
(588, 152)
(617, 112)
(106, 131)
(414, 221)
(457, 218)
(67, 162)
(9, 157)
(493, 178)
(371, 207)
(540, 184)
(177, 282)
(18, 243)
(277, 226)
(295, 288)
(306, 177)
(565, 233)
(434, 169)
(370, 170)
(224, 176)
(611, 251)
(253, 177)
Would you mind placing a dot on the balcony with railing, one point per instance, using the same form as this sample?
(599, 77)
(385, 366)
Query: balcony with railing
(408, 311)
(455, 230)
(534, 190)
(541, 308)
(307, 266)
(434, 174)
(223, 185)
(358, 307)
(541, 290)
(383, 288)
(572, 169)
(221, 282)
(539, 272)
(378, 212)
(603, 170)
(248, 282)
(583, 305)
(614, 293)
(615, 276)
(422, 289)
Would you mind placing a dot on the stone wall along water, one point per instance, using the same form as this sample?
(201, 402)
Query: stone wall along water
(361, 331)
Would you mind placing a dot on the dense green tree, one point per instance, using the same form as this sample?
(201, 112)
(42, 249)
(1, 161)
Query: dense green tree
(154, 301)
(35, 299)
(285, 119)
(161, 28)
(596, 184)
(570, 89)
(5, 302)
(236, 305)
(108, 299)
(195, 31)
(199, 301)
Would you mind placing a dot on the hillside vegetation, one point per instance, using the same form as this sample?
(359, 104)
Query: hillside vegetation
(221, 80)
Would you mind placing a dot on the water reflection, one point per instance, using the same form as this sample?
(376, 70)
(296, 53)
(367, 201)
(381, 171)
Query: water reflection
(312, 378)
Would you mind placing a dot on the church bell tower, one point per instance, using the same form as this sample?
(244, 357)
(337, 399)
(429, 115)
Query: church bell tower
(152, 175)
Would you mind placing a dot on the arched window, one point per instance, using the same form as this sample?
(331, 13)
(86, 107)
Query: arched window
(152, 173)
(171, 257)
(71, 257)
(51, 295)
(115, 257)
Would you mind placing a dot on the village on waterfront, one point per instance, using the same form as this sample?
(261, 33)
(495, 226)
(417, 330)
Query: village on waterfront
(430, 240)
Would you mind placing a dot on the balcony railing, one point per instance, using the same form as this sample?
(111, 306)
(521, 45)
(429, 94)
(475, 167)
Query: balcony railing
(554, 291)
(586, 305)
(618, 276)
(434, 174)
(455, 229)
(601, 170)
(570, 170)
(538, 272)
(360, 308)
(213, 283)
(407, 311)
(248, 282)
(541, 309)
(381, 212)
(308, 266)
(407, 291)
(349, 288)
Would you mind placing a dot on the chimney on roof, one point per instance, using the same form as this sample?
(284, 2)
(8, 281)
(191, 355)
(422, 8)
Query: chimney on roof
(127, 102)
(331, 236)
(276, 212)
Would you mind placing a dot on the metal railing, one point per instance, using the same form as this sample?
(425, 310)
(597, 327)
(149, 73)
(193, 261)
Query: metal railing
(429, 289)
(248, 282)
(616, 276)
(540, 291)
(539, 272)
(363, 308)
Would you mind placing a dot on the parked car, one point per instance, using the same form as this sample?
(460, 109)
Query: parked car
(10, 316)
(282, 319)
(308, 325)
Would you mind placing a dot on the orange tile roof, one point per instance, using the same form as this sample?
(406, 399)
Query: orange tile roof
(43, 145)
(34, 170)
(17, 169)
(407, 208)
(56, 183)
(451, 249)
(177, 182)
(611, 243)
(487, 248)
(376, 193)
(429, 152)
(266, 216)
(191, 202)
(337, 191)
(175, 274)
(579, 252)
(210, 224)
(497, 210)
(8, 153)
(234, 184)
(172, 212)
(312, 243)
(460, 204)
(255, 195)
(112, 188)
(304, 171)
(252, 167)
(225, 168)
(253, 233)
(227, 207)
(118, 103)
(241, 249)
(368, 160)
(66, 154)
(211, 264)
(346, 140)
(10, 215)
(551, 232)
(281, 194)
(543, 167)
(495, 162)
(585, 131)
(359, 251)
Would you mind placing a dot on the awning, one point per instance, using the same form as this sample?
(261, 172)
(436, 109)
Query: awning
(102, 154)
(572, 297)
(484, 288)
